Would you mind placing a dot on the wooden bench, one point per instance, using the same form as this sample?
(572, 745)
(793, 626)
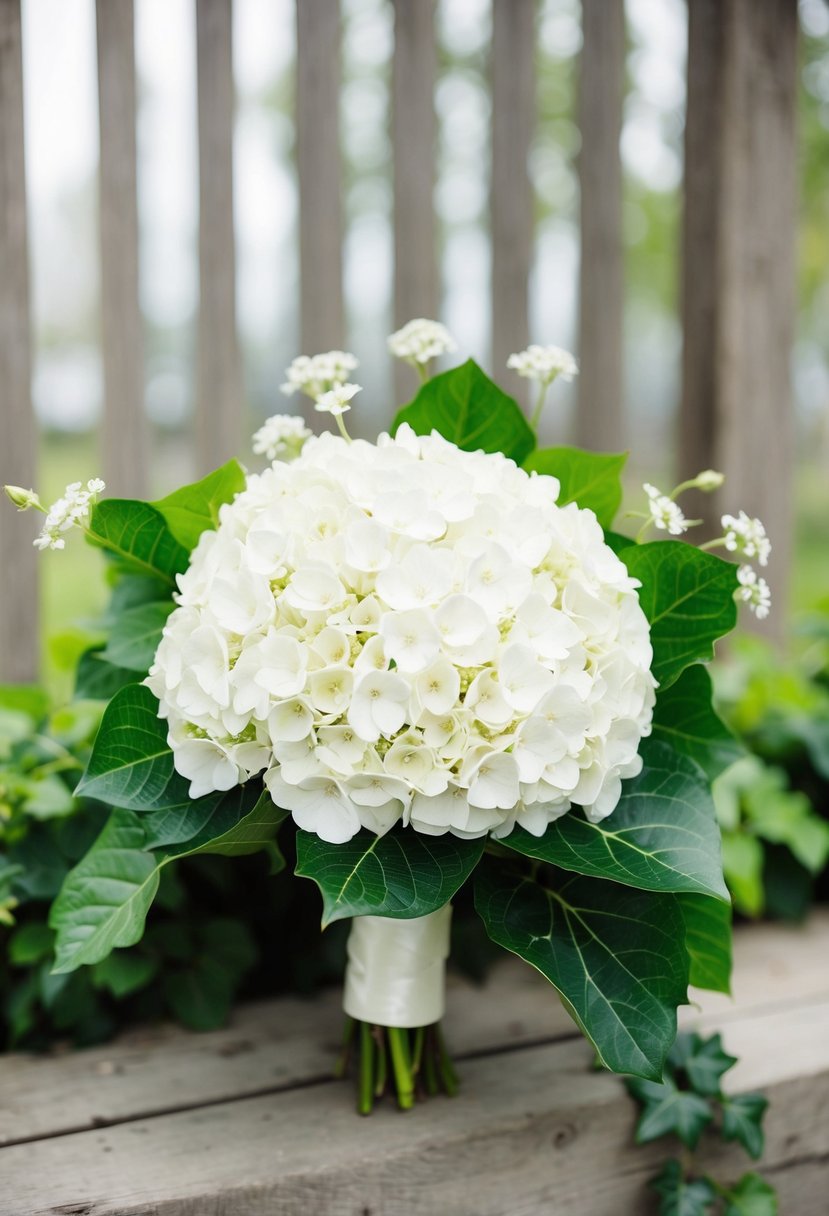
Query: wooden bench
(246, 1121)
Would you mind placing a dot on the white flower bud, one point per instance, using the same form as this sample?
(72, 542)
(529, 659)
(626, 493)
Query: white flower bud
(22, 499)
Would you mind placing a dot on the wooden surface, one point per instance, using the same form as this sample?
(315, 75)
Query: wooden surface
(599, 417)
(125, 450)
(18, 609)
(512, 199)
(219, 393)
(246, 1120)
(413, 139)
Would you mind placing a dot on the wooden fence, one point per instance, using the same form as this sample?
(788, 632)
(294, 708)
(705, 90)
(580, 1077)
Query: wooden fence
(737, 254)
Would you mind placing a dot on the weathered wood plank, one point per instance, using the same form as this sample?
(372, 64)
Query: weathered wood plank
(745, 55)
(125, 439)
(413, 138)
(599, 418)
(322, 321)
(219, 399)
(527, 1130)
(19, 614)
(513, 120)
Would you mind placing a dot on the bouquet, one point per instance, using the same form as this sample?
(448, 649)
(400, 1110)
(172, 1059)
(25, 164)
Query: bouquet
(434, 660)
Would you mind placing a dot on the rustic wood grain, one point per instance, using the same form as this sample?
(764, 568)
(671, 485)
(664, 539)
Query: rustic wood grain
(19, 639)
(219, 394)
(513, 119)
(125, 439)
(413, 138)
(599, 418)
(322, 320)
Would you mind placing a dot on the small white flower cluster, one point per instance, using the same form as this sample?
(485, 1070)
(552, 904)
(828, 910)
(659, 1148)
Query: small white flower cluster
(746, 536)
(318, 374)
(753, 591)
(403, 631)
(70, 511)
(420, 341)
(544, 364)
(665, 514)
(281, 437)
(336, 400)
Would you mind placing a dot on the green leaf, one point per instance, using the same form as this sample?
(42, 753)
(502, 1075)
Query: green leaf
(681, 1197)
(662, 836)
(685, 718)
(135, 635)
(252, 833)
(401, 874)
(131, 765)
(591, 479)
(195, 508)
(97, 680)
(751, 1197)
(742, 858)
(30, 944)
(613, 953)
(202, 994)
(137, 537)
(617, 542)
(466, 407)
(26, 699)
(48, 798)
(704, 1062)
(669, 1111)
(708, 941)
(742, 1120)
(105, 899)
(688, 597)
(124, 972)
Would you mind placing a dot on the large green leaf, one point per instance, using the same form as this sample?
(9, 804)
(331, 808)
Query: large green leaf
(131, 765)
(195, 508)
(685, 717)
(663, 835)
(136, 535)
(465, 406)
(614, 954)
(402, 874)
(708, 941)
(592, 479)
(105, 899)
(688, 597)
(98, 680)
(135, 635)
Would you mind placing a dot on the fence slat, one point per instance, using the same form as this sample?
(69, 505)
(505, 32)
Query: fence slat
(18, 613)
(219, 401)
(413, 122)
(125, 446)
(742, 333)
(599, 420)
(513, 118)
(322, 324)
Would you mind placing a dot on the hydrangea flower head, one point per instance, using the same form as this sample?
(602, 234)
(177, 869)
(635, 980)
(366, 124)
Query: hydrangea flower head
(544, 364)
(420, 341)
(281, 437)
(404, 632)
(747, 537)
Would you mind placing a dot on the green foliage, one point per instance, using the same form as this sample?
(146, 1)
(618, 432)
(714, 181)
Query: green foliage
(135, 634)
(98, 680)
(401, 874)
(679, 1196)
(468, 408)
(687, 595)
(751, 1197)
(685, 717)
(708, 941)
(591, 479)
(610, 951)
(195, 508)
(137, 539)
(662, 835)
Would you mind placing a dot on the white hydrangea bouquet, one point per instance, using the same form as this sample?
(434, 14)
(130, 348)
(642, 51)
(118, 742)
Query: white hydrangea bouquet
(436, 659)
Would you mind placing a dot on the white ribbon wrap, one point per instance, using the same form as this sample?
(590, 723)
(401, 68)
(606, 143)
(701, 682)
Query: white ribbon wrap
(396, 969)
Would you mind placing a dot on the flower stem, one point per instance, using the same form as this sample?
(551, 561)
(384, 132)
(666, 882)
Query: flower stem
(402, 1066)
(342, 430)
(539, 405)
(379, 1033)
(716, 543)
(447, 1071)
(422, 371)
(365, 1103)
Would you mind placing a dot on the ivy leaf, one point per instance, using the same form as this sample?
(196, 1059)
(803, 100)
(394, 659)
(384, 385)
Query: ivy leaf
(98, 680)
(751, 1197)
(685, 718)
(591, 479)
(135, 635)
(708, 941)
(679, 1197)
(662, 836)
(742, 1120)
(610, 951)
(469, 409)
(401, 874)
(136, 536)
(668, 1110)
(706, 1063)
(688, 597)
(195, 508)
